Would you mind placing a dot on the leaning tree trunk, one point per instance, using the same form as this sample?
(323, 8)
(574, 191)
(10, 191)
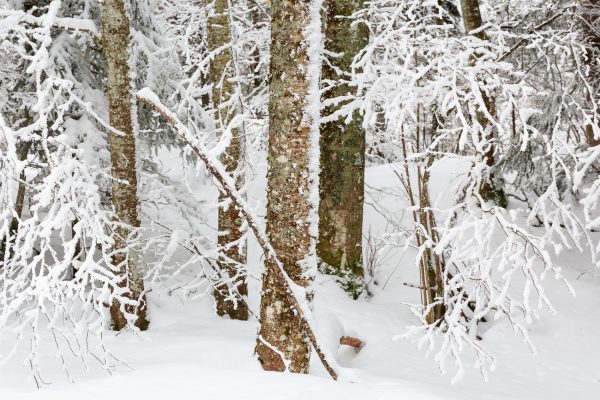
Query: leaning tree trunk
(221, 75)
(490, 189)
(288, 204)
(342, 145)
(590, 18)
(115, 45)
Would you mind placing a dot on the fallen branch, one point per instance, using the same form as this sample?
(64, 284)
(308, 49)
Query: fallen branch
(352, 342)
(227, 186)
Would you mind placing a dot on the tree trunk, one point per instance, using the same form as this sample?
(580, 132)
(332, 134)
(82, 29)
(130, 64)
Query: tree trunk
(342, 145)
(20, 203)
(115, 45)
(288, 205)
(23, 152)
(416, 183)
(591, 8)
(5, 244)
(472, 18)
(490, 189)
(222, 71)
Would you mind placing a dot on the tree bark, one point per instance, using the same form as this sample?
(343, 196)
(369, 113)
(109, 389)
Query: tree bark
(115, 45)
(23, 151)
(20, 203)
(282, 332)
(490, 190)
(342, 145)
(222, 72)
(472, 18)
(591, 10)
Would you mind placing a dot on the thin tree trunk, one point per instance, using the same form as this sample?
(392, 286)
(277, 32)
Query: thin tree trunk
(490, 189)
(19, 201)
(222, 72)
(115, 45)
(78, 254)
(431, 265)
(591, 13)
(282, 332)
(342, 144)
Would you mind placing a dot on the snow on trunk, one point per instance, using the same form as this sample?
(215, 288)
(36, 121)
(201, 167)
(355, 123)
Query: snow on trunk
(282, 343)
(225, 97)
(115, 44)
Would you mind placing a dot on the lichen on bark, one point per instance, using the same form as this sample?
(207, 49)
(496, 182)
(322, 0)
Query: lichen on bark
(288, 205)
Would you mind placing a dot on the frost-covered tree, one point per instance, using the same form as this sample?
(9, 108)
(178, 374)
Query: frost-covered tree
(434, 86)
(226, 98)
(59, 232)
(121, 139)
(103, 200)
(473, 26)
(65, 207)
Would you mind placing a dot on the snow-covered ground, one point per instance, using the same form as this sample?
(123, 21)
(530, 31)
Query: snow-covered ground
(190, 353)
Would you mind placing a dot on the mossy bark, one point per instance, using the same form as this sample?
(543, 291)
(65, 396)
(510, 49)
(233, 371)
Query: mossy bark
(288, 187)
(115, 45)
(221, 75)
(342, 145)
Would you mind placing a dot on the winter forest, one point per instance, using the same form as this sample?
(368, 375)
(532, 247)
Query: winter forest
(300, 199)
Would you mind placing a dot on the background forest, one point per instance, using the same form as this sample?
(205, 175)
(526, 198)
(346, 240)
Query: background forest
(364, 193)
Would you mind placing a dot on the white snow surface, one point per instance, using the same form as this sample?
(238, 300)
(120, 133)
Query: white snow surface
(191, 353)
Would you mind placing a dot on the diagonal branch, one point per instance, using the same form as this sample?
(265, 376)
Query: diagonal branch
(227, 185)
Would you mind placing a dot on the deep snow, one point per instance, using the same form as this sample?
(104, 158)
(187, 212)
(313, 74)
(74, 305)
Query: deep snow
(190, 353)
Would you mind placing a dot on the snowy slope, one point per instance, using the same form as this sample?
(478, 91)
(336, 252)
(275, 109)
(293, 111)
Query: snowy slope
(190, 353)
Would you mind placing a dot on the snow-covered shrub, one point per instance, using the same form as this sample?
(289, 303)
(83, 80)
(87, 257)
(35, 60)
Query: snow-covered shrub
(455, 100)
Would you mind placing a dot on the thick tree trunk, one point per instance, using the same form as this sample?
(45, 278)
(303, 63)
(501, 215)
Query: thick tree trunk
(591, 27)
(115, 45)
(281, 330)
(490, 189)
(221, 73)
(342, 144)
